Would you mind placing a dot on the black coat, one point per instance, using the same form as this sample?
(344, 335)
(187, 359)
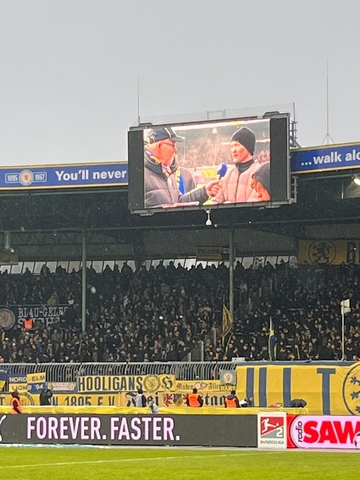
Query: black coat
(45, 396)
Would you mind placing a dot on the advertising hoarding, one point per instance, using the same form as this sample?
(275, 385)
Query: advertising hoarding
(325, 158)
(14, 315)
(272, 430)
(117, 383)
(209, 164)
(63, 176)
(219, 431)
(329, 252)
(333, 432)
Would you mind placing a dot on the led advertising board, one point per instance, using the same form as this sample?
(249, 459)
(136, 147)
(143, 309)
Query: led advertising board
(326, 431)
(64, 176)
(325, 158)
(209, 164)
(140, 429)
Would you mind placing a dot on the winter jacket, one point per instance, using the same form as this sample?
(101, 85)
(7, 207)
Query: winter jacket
(45, 396)
(140, 400)
(161, 187)
(236, 185)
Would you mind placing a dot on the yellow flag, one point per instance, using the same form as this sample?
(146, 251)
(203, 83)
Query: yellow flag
(227, 323)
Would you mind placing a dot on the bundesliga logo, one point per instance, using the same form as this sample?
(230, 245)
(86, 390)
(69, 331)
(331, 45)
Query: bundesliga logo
(272, 427)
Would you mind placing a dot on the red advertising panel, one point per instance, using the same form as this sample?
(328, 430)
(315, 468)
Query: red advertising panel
(327, 431)
(272, 430)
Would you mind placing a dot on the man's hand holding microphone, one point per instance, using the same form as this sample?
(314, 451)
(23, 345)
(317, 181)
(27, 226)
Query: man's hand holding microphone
(212, 188)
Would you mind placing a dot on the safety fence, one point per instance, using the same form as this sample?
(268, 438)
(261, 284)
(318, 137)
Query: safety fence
(69, 372)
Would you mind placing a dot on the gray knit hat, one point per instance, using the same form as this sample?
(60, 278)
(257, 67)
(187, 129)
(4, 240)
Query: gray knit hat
(263, 176)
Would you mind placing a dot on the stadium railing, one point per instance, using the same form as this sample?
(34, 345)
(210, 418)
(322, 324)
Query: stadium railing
(68, 372)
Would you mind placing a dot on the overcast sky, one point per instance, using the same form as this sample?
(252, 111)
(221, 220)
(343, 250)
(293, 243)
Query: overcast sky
(69, 69)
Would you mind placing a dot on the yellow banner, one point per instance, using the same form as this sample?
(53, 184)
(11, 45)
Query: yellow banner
(86, 400)
(66, 400)
(36, 377)
(172, 399)
(227, 324)
(114, 383)
(328, 390)
(208, 173)
(123, 399)
(31, 410)
(202, 386)
(20, 387)
(331, 252)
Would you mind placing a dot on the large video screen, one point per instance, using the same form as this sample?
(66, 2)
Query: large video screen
(209, 164)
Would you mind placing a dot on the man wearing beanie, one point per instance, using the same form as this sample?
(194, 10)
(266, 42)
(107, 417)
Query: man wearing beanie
(236, 184)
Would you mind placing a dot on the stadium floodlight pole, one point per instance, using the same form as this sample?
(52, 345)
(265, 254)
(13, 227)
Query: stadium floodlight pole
(83, 284)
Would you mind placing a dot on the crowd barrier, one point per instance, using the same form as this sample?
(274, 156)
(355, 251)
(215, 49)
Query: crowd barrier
(328, 388)
(69, 372)
(280, 429)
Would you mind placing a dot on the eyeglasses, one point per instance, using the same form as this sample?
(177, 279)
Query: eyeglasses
(170, 144)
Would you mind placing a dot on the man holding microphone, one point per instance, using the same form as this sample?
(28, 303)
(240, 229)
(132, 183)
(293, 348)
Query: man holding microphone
(161, 189)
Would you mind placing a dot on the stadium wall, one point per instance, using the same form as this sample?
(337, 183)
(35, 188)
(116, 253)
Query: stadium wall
(328, 388)
(117, 429)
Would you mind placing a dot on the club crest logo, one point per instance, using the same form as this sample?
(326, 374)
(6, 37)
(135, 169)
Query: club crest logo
(351, 390)
(151, 383)
(272, 427)
(7, 319)
(271, 430)
(322, 252)
(228, 377)
(26, 177)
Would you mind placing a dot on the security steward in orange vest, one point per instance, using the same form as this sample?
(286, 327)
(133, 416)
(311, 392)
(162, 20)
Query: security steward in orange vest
(28, 323)
(231, 401)
(194, 399)
(16, 406)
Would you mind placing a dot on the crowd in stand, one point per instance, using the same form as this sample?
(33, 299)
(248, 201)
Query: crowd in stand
(207, 153)
(163, 313)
